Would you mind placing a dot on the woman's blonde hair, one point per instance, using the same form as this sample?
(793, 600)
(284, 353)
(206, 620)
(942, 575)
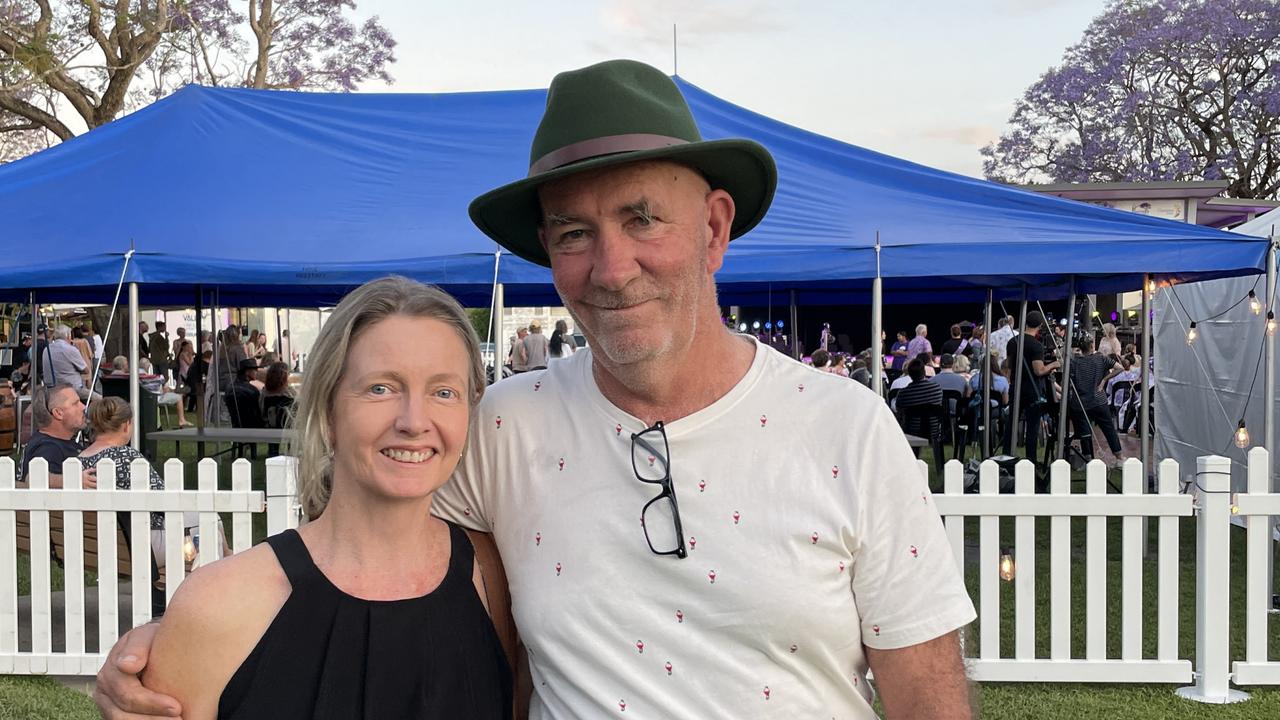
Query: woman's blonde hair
(363, 307)
(1108, 330)
(109, 415)
(961, 364)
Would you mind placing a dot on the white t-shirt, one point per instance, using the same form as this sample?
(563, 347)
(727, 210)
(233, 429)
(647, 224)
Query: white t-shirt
(810, 532)
(1000, 341)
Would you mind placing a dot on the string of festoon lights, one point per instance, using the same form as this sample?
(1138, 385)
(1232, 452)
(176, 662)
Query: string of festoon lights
(1240, 435)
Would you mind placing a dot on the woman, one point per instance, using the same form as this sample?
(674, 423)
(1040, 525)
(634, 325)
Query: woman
(926, 357)
(960, 366)
(111, 419)
(185, 356)
(382, 423)
(277, 397)
(1109, 344)
(562, 344)
(86, 351)
(977, 347)
(257, 347)
(165, 394)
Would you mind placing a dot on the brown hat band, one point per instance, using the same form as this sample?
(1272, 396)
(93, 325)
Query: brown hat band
(595, 147)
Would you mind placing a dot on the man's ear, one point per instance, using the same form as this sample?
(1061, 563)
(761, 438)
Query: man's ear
(720, 213)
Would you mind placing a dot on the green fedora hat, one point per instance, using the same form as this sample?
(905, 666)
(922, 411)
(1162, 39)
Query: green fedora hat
(617, 112)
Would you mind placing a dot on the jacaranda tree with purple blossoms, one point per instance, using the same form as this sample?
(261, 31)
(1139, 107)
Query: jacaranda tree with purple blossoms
(72, 64)
(1156, 90)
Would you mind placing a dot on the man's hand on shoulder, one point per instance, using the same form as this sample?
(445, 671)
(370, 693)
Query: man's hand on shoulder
(119, 693)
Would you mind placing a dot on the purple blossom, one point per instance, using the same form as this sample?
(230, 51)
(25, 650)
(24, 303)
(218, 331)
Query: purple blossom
(1155, 90)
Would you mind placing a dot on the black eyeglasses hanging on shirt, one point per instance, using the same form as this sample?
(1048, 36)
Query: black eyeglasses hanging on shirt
(660, 518)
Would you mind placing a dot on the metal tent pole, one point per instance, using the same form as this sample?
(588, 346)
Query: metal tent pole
(496, 302)
(1017, 375)
(198, 346)
(1066, 371)
(1269, 405)
(795, 329)
(36, 379)
(279, 335)
(1144, 420)
(1269, 380)
(877, 325)
(133, 366)
(986, 378)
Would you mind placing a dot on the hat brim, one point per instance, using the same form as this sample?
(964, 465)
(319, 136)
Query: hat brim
(512, 213)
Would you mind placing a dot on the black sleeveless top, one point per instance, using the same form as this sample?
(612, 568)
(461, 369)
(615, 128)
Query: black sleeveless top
(330, 655)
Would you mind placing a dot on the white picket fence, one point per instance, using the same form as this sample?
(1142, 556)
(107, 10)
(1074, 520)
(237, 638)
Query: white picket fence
(72, 501)
(1209, 499)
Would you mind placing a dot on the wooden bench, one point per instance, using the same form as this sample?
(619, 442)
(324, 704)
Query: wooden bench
(124, 564)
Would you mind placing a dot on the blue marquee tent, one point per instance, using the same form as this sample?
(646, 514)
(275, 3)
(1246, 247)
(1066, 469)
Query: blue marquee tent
(280, 198)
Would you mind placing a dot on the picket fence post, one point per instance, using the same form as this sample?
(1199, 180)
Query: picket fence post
(1213, 589)
(283, 510)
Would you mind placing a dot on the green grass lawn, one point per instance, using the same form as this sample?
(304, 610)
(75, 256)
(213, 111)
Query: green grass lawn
(37, 698)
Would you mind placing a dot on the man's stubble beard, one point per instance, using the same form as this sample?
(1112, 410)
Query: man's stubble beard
(624, 357)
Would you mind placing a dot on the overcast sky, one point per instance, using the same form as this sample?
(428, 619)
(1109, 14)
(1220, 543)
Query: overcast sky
(927, 80)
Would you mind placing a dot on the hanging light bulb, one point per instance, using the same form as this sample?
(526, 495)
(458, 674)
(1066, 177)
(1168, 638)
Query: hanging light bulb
(1271, 324)
(1242, 435)
(1007, 569)
(1151, 289)
(1191, 333)
(1254, 304)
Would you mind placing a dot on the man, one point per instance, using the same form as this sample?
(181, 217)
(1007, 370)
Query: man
(40, 355)
(919, 343)
(955, 343)
(514, 358)
(158, 350)
(948, 379)
(243, 399)
(1090, 372)
(1035, 395)
(1000, 340)
(860, 371)
(63, 363)
(899, 351)
(144, 349)
(59, 415)
(286, 351)
(779, 577)
(922, 392)
(535, 348)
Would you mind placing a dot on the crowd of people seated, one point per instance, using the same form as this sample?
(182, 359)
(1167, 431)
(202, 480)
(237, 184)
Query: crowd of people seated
(1103, 380)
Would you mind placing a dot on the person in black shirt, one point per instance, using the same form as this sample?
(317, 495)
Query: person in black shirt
(1036, 397)
(921, 392)
(59, 415)
(952, 346)
(1088, 373)
(243, 399)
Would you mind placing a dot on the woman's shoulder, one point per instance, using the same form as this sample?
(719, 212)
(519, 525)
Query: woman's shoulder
(115, 452)
(212, 609)
(212, 624)
(219, 584)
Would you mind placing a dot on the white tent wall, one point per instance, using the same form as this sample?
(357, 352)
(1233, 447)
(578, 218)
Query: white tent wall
(1204, 389)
